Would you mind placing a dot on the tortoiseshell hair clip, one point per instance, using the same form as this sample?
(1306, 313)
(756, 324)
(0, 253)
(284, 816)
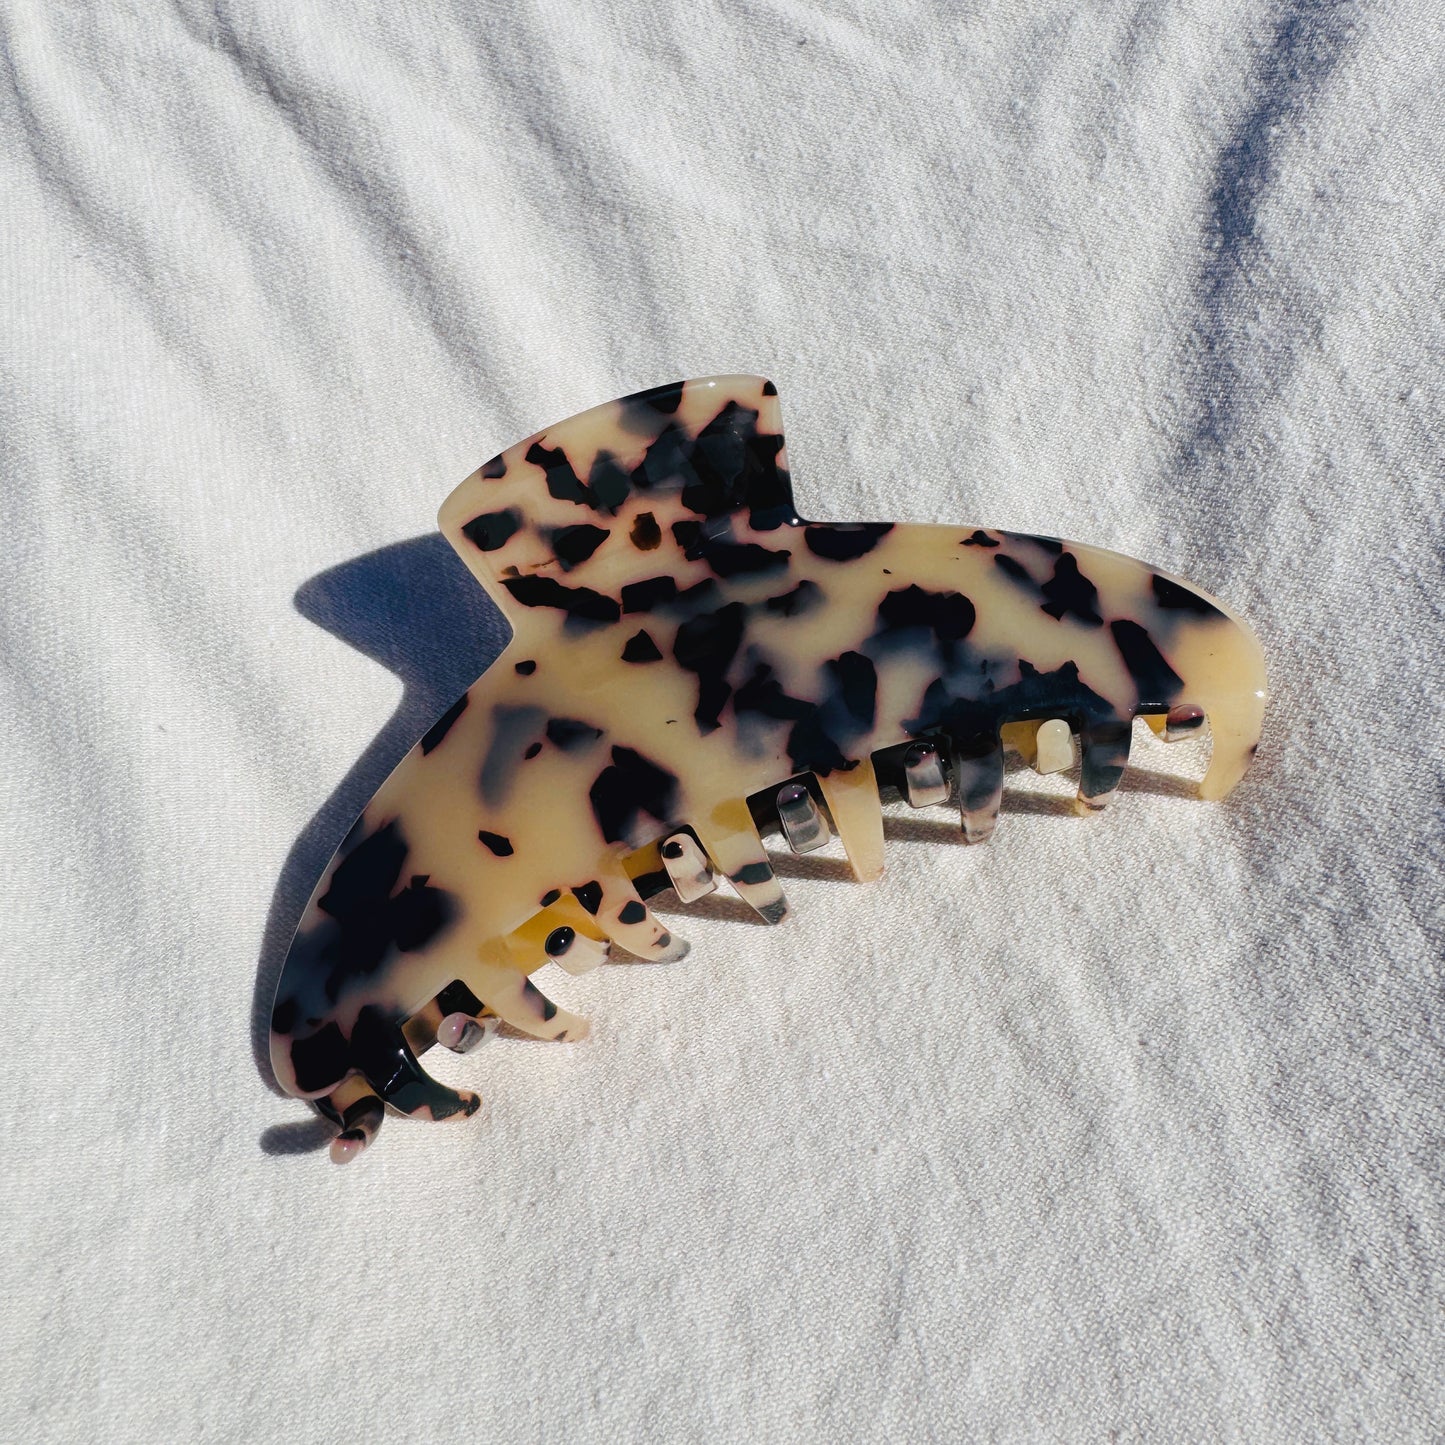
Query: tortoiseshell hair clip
(693, 666)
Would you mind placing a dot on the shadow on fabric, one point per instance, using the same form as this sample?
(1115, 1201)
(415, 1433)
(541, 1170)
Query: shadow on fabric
(414, 608)
(1253, 314)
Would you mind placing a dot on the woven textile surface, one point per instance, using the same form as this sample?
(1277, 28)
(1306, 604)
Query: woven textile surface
(1126, 1126)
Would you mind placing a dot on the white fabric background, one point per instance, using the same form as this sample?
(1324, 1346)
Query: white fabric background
(1119, 1127)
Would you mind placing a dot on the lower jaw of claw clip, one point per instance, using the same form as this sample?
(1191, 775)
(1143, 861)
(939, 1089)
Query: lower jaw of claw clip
(807, 811)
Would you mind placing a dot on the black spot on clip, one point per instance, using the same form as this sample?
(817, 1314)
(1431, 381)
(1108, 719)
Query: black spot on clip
(706, 645)
(739, 559)
(764, 695)
(364, 920)
(641, 648)
(752, 873)
(581, 603)
(842, 542)
(1174, 598)
(632, 786)
(948, 615)
(812, 747)
(562, 482)
(646, 534)
(855, 685)
(803, 598)
(1014, 570)
(651, 592)
(663, 399)
(1069, 593)
(443, 725)
(574, 545)
(558, 941)
(568, 734)
(1157, 683)
(320, 1060)
(539, 1000)
(513, 729)
(610, 482)
(492, 530)
(418, 914)
(686, 534)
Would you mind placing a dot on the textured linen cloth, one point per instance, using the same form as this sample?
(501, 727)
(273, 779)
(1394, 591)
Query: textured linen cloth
(1119, 1127)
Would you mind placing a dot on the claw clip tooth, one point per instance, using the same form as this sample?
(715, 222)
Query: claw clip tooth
(461, 1033)
(688, 868)
(802, 821)
(1184, 722)
(925, 776)
(1055, 747)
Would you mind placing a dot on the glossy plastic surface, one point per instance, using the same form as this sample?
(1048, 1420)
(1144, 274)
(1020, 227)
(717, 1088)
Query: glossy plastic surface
(685, 643)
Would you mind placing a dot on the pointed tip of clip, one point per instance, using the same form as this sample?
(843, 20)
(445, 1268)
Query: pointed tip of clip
(348, 1146)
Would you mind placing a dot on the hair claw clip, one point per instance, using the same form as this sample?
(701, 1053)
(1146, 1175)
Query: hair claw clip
(694, 666)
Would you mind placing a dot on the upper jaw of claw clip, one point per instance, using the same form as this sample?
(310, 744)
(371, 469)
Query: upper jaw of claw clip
(693, 665)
